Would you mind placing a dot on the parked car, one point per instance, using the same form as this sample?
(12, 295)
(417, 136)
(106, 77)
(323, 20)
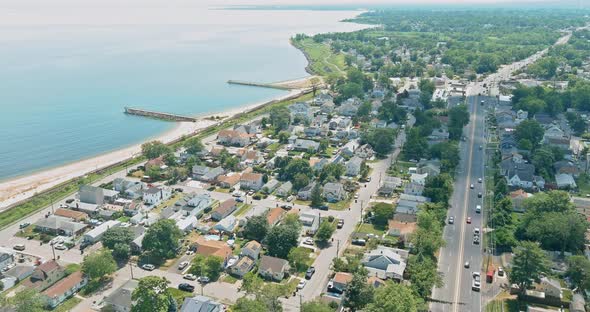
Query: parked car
(148, 267)
(359, 242)
(60, 247)
(24, 225)
(451, 220)
(182, 265)
(69, 200)
(190, 277)
(308, 241)
(203, 279)
(500, 271)
(309, 272)
(186, 287)
(356, 196)
(287, 206)
(323, 207)
(301, 284)
(239, 200)
(19, 247)
(340, 223)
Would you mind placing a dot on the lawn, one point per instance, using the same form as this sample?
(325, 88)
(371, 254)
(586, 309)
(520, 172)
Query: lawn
(341, 205)
(400, 169)
(323, 61)
(179, 295)
(243, 209)
(67, 305)
(370, 229)
(229, 279)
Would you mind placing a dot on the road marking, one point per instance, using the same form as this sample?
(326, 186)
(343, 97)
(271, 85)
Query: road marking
(465, 198)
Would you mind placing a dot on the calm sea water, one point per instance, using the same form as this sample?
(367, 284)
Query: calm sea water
(67, 73)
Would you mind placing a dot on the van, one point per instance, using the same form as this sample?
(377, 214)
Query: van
(478, 208)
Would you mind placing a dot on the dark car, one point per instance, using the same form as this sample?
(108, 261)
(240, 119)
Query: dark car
(186, 287)
(323, 207)
(239, 200)
(309, 273)
(479, 195)
(340, 223)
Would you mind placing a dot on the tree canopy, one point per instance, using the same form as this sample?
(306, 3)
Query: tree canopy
(161, 240)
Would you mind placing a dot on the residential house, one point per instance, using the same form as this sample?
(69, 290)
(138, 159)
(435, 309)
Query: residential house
(418, 178)
(233, 138)
(65, 288)
(328, 107)
(300, 111)
(353, 166)
(333, 192)
(229, 180)
(273, 268)
(567, 167)
(553, 132)
(347, 109)
(201, 304)
(365, 152)
(305, 192)
(305, 145)
(551, 287)
(270, 186)
(285, 189)
(195, 204)
(227, 224)
(59, 225)
(6, 258)
(384, 263)
(216, 248)
(243, 266)
(251, 181)
(274, 216)
(565, 181)
(251, 249)
(438, 136)
(429, 169)
(156, 163)
(20, 272)
(310, 222)
(389, 185)
(251, 157)
(77, 216)
(45, 275)
(252, 128)
(155, 195)
(186, 224)
(206, 174)
(224, 209)
(578, 303)
(96, 234)
(414, 188)
(339, 282)
(128, 189)
(517, 198)
(518, 174)
(120, 299)
(312, 131)
(91, 194)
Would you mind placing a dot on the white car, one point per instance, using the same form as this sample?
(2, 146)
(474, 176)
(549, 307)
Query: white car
(356, 196)
(182, 265)
(190, 277)
(148, 267)
(60, 247)
(479, 180)
(308, 241)
(476, 284)
(301, 284)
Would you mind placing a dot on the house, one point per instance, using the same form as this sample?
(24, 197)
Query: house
(565, 181)
(91, 194)
(20, 272)
(310, 222)
(300, 111)
(224, 209)
(438, 136)
(196, 204)
(517, 198)
(128, 189)
(274, 216)
(6, 258)
(77, 216)
(45, 275)
(418, 178)
(347, 109)
(384, 263)
(251, 128)
(273, 268)
(243, 266)
(401, 230)
(156, 163)
(429, 169)
(233, 138)
(155, 195)
(339, 282)
(201, 304)
(250, 157)
(270, 186)
(578, 303)
(328, 107)
(306, 145)
(389, 185)
(96, 234)
(120, 299)
(59, 225)
(567, 167)
(251, 181)
(65, 288)
(333, 192)
(406, 210)
(216, 248)
(305, 192)
(206, 174)
(227, 224)
(353, 166)
(518, 174)
(229, 180)
(365, 152)
(186, 224)
(285, 189)
(414, 188)
(251, 249)
(551, 287)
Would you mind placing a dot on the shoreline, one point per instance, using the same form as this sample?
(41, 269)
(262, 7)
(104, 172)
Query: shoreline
(17, 189)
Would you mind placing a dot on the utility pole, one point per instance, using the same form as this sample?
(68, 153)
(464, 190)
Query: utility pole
(337, 247)
(53, 251)
(361, 211)
(300, 302)
(131, 269)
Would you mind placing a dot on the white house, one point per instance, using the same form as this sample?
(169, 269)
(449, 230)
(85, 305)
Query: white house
(384, 263)
(156, 195)
(96, 234)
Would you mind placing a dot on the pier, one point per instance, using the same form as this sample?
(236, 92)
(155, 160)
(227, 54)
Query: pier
(158, 115)
(259, 84)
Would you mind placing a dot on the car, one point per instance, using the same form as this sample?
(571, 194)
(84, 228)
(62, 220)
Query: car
(179, 189)
(356, 196)
(340, 223)
(250, 192)
(186, 287)
(478, 208)
(190, 277)
(19, 247)
(69, 200)
(476, 284)
(479, 195)
(189, 252)
(148, 267)
(451, 220)
(476, 232)
(24, 225)
(323, 207)
(203, 279)
(500, 271)
(63, 206)
(239, 200)
(359, 242)
(301, 284)
(309, 273)
(286, 206)
(60, 247)
(476, 240)
(182, 265)
(308, 241)
(480, 147)
(471, 186)
(468, 220)
(466, 265)
(290, 198)
(479, 180)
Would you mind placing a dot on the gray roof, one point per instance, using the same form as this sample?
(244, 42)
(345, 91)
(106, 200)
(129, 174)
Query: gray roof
(200, 304)
(58, 222)
(306, 144)
(122, 296)
(272, 264)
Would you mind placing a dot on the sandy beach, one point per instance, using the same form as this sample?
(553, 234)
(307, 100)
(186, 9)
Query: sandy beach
(20, 188)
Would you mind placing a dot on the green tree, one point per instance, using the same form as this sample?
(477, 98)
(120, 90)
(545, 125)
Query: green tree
(423, 275)
(382, 213)
(502, 213)
(121, 251)
(299, 258)
(316, 196)
(528, 264)
(380, 139)
(251, 283)
(245, 304)
(332, 170)
(364, 110)
(393, 297)
(325, 231)
(151, 294)
(300, 181)
(161, 240)
(210, 266)
(280, 239)
(552, 201)
(154, 149)
(427, 86)
(579, 271)
(121, 236)
(256, 228)
(279, 118)
(439, 188)
(427, 238)
(193, 145)
(316, 306)
(26, 300)
(529, 130)
(358, 292)
(294, 167)
(416, 145)
(99, 265)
